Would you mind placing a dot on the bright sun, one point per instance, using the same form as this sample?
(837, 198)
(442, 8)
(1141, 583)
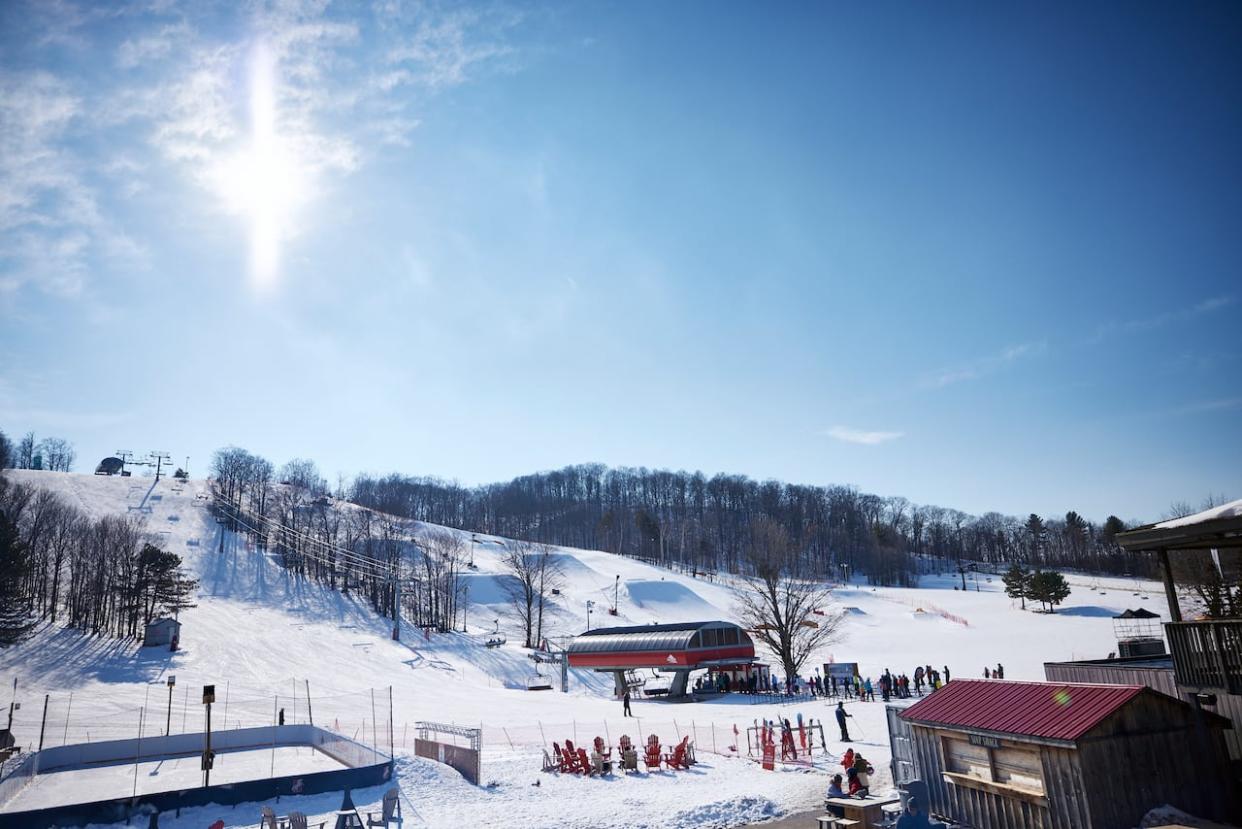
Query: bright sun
(263, 181)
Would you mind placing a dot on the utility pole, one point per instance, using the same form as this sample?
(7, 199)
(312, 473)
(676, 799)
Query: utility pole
(616, 596)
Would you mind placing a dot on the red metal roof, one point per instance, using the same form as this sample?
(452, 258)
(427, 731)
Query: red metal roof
(1053, 710)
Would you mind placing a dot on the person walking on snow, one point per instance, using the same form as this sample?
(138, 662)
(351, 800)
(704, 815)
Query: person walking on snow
(625, 703)
(841, 715)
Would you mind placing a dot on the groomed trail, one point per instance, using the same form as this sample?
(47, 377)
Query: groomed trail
(265, 634)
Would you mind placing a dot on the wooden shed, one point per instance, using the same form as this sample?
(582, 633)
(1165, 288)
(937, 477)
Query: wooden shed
(996, 754)
(161, 632)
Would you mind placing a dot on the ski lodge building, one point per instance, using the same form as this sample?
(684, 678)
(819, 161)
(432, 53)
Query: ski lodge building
(676, 648)
(996, 754)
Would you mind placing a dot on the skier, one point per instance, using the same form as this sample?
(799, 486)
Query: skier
(986, 673)
(1000, 671)
(946, 673)
(918, 680)
(848, 759)
(625, 702)
(841, 715)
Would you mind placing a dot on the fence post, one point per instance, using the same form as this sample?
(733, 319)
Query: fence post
(43, 726)
(64, 740)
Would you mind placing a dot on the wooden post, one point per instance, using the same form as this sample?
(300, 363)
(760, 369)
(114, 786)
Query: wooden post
(1170, 589)
(43, 726)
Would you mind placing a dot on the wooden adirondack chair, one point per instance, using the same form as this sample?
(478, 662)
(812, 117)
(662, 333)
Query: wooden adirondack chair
(268, 819)
(390, 811)
(652, 759)
(297, 820)
(629, 756)
(677, 758)
(584, 762)
(574, 762)
(561, 763)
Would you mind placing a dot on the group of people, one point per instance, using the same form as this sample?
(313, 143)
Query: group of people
(994, 673)
(857, 776)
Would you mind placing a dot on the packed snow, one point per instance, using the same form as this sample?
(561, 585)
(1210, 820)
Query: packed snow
(264, 636)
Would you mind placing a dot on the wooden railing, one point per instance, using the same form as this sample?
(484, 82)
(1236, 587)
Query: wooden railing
(1207, 656)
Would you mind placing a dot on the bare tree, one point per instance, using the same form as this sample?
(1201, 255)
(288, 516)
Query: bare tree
(58, 454)
(792, 616)
(534, 574)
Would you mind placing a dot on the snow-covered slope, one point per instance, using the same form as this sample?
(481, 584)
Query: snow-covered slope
(259, 632)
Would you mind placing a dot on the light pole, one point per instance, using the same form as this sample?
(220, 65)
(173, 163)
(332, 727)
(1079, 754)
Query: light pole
(172, 680)
(590, 604)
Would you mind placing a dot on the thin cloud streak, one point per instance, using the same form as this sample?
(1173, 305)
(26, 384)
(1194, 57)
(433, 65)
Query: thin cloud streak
(1133, 326)
(981, 367)
(861, 437)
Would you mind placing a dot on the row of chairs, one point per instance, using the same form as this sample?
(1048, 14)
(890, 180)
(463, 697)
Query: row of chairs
(390, 813)
(576, 760)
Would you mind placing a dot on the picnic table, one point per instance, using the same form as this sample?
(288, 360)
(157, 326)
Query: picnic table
(869, 812)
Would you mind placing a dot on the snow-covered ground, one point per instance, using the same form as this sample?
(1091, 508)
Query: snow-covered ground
(260, 635)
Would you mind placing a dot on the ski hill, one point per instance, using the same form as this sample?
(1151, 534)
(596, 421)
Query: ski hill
(268, 638)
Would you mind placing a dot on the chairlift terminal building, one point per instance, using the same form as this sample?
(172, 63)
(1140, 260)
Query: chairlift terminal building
(675, 648)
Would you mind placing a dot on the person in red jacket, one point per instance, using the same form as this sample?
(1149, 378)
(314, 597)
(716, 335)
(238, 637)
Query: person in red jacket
(848, 759)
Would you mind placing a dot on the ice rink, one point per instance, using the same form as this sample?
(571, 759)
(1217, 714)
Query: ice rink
(92, 783)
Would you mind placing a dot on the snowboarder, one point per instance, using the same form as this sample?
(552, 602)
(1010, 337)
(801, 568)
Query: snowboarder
(986, 673)
(841, 715)
(1000, 671)
(625, 703)
(946, 673)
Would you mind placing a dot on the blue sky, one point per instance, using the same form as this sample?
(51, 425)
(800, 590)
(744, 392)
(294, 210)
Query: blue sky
(980, 257)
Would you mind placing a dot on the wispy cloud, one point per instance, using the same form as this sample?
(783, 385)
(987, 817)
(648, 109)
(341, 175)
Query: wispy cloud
(981, 367)
(1133, 326)
(862, 437)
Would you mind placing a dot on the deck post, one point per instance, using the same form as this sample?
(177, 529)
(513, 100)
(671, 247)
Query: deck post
(1170, 589)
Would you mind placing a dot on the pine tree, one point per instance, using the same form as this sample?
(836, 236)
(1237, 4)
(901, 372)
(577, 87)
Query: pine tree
(1017, 582)
(1049, 588)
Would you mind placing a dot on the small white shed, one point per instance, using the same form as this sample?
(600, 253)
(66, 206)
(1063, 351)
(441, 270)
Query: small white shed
(161, 632)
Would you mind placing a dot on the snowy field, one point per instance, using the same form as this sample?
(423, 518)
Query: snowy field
(84, 785)
(260, 635)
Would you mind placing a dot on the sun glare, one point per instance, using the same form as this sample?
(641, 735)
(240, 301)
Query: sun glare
(262, 181)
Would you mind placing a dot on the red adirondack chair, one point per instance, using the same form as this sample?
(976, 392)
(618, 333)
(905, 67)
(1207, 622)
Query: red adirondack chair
(575, 756)
(584, 762)
(652, 759)
(677, 758)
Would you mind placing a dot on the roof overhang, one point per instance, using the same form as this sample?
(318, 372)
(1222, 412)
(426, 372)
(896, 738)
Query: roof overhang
(1215, 529)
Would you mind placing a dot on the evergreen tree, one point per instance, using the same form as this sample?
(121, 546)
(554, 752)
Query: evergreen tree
(1017, 582)
(1049, 588)
(1035, 529)
(1112, 526)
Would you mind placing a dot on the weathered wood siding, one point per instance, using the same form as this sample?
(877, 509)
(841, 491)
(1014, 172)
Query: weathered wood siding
(1158, 679)
(1066, 805)
(1153, 752)
(900, 741)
